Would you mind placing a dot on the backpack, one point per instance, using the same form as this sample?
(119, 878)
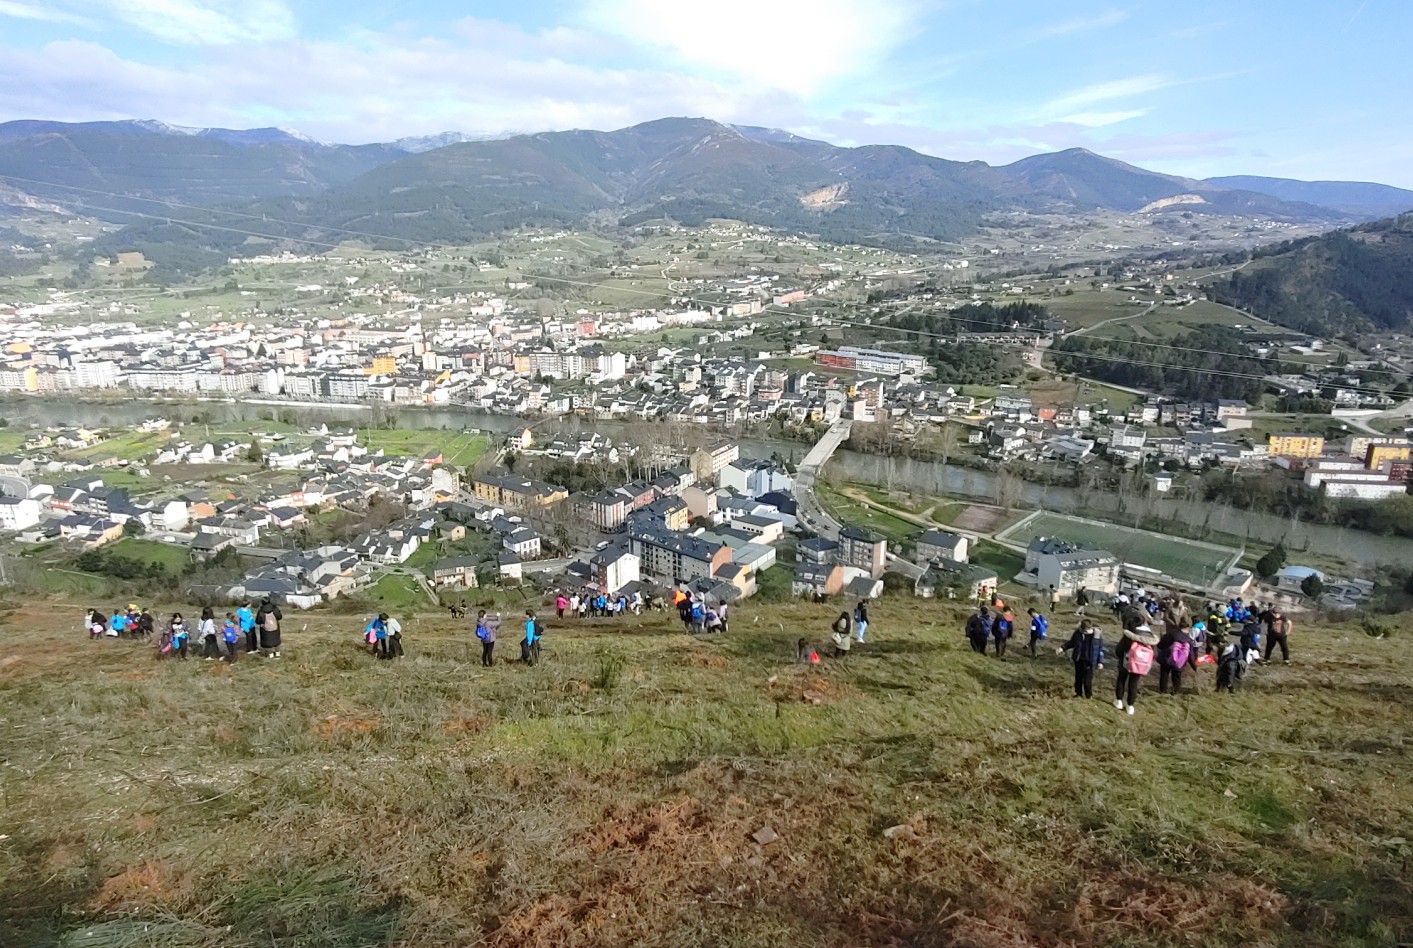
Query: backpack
(270, 623)
(1139, 658)
(539, 629)
(1178, 653)
(1041, 625)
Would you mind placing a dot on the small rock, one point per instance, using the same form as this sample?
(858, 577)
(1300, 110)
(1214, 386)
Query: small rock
(902, 830)
(772, 679)
(765, 836)
(1228, 794)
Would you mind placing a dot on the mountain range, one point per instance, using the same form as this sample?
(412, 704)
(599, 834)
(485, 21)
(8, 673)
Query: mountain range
(460, 186)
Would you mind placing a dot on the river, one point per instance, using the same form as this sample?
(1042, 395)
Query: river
(924, 477)
(1259, 529)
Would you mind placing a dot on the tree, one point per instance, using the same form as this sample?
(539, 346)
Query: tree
(133, 527)
(1271, 563)
(253, 454)
(1312, 586)
(510, 460)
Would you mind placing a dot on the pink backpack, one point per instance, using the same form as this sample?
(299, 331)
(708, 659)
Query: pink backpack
(1139, 658)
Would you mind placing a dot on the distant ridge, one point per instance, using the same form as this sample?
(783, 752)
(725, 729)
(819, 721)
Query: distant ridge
(458, 185)
(1360, 198)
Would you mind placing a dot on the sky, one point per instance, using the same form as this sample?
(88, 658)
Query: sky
(1314, 89)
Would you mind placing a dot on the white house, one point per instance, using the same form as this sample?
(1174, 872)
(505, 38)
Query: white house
(524, 543)
(940, 544)
(18, 513)
(615, 568)
(755, 477)
(764, 529)
(175, 515)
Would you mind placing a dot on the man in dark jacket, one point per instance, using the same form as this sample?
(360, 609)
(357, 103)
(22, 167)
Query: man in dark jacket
(979, 628)
(1086, 648)
(267, 620)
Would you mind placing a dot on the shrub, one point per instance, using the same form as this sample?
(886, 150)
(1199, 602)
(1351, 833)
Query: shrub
(610, 671)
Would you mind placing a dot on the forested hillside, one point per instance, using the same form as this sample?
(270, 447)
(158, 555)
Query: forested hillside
(1212, 362)
(1353, 280)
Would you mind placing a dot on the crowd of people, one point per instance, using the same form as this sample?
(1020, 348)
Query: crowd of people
(1227, 635)
(1153, 630)
(250, 629)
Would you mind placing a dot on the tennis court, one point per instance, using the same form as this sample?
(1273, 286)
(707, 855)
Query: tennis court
(1189, 561)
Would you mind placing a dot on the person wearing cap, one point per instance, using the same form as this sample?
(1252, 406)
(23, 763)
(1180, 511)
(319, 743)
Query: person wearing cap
(1134, 653)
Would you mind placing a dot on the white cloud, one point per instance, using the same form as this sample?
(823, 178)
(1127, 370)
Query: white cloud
(195, 22)
(28, 11)
(1108, 91)
(377, 89)
(1100, 119)
(798, 46)
(1085, 24)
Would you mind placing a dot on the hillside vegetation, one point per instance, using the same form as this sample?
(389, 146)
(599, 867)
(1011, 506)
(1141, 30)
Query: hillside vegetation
(1354, 280)
(645, 787)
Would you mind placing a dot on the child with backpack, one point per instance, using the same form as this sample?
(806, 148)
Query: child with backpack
(486, 632)
(230, 633)
(1176, 651)
(1039, 627)
(1231, 666)
(1086, 648)
(978, 630)
(1135, 653)
(1001, 629)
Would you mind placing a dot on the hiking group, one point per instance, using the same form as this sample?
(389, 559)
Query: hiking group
(250, 630)
(1227, 635)
(488, 629)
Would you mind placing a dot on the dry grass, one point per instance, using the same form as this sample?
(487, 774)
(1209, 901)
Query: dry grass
(915, 794)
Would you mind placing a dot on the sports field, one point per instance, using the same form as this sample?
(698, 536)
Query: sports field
(1186, 560)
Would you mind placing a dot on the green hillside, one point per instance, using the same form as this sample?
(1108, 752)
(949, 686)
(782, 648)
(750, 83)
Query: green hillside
(1351, 280)
(643, 787)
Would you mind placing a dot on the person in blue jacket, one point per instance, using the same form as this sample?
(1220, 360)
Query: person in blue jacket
(245, 618)
(376, 634)
(1039, 628)
(1086, 648)
(530, 645)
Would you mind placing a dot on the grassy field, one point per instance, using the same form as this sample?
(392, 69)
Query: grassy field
(1173, 556)
(644, 787)
(458, 448)
(848, 510)
(150, 551)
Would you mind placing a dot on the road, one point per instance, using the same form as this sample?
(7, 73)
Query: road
(1114, 319)
(11, 486)
(811, 513)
